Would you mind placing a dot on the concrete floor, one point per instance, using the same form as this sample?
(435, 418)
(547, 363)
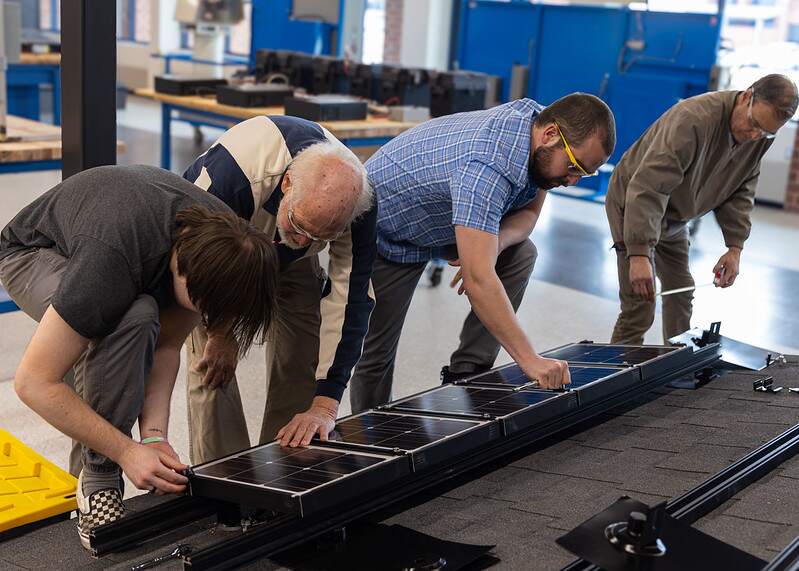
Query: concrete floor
(572, 295)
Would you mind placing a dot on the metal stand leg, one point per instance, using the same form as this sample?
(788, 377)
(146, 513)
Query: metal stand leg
(166, 136)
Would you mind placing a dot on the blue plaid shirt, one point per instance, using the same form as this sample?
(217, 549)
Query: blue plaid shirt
(468, 169)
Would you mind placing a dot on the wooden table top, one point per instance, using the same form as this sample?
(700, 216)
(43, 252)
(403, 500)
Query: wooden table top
(365, 128)
(53, 58)
(34, 141)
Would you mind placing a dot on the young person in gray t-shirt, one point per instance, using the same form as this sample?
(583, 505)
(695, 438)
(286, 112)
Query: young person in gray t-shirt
(118, 265)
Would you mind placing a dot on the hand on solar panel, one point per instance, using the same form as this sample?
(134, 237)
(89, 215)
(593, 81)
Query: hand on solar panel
(152, 469)
(219, 361)
(319, 419)
(727, 268)
(549, 373)
(642, 277)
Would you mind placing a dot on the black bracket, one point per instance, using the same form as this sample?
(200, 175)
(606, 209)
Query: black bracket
(712, 335)
(640, 534)
(765, 385)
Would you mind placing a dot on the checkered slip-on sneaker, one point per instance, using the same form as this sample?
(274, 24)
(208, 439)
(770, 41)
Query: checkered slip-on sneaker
(100, 507)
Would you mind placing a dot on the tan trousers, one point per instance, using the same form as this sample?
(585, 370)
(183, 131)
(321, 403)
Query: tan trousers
(670, 262)
(217, 425)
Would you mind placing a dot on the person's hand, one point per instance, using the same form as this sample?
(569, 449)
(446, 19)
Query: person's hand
(319, 419)
(219, 361)
(642, 278)
(727, 268)
(150, 468)
(549, 373)
(164, 447)
(458, 279)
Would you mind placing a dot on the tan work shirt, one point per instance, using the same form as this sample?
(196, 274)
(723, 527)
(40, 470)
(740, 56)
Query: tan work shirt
(685, 165)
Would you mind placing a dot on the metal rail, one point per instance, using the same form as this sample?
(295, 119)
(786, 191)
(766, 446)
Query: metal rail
(284, 533)
(710, 494)
(150, 522)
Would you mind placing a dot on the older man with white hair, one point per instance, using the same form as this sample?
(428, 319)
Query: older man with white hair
(296, 181)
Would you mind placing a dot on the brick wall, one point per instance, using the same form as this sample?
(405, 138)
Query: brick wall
(792, 193)
(393, 31)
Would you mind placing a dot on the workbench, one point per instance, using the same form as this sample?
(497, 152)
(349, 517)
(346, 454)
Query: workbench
(363, 136)
(37, 148)
(24, 79)
(652, 449)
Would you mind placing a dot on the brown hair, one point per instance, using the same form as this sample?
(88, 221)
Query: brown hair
(580, 116)
(231, 272)
(779, 92)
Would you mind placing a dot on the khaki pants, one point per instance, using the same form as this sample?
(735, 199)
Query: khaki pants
(394, 285)
(217, 425)
(111, 374)
(669, 260)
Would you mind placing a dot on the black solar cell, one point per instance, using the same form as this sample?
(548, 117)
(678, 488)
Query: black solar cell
(397, 431)
(288, 469)
(457, 399)
(598, 354)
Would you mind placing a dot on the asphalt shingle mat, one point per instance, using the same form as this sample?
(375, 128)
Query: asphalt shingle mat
(652, 450)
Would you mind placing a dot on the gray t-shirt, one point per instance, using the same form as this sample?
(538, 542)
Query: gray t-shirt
(116, 225)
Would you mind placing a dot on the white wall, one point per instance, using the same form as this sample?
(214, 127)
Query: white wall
(426, 28)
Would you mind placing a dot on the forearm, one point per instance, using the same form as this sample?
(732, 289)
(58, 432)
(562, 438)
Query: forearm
(58, 404)
(516, 228)
(154, 417)
(491, 305)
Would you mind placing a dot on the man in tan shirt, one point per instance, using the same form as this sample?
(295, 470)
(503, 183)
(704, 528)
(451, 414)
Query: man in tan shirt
(703, 154)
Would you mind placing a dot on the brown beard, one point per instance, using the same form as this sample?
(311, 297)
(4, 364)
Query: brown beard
(542, 159)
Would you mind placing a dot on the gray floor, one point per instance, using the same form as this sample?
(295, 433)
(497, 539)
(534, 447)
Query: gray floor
(571, 296)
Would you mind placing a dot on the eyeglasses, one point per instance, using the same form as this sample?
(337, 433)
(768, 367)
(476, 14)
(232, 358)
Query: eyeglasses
(301, 232)
(575, 169)
(753, 125)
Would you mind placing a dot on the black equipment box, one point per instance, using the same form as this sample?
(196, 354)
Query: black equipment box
(187, 85)
(404, 86)
(254, 95)
(330, 75)
(299, 69)
(363, 81)
(268, 62)
(457, 91)
(326, 108)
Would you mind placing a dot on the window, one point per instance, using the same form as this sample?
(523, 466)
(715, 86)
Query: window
(374, 31)
(133, 20)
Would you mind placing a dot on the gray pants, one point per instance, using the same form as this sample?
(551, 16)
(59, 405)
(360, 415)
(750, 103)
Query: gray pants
(111, 374)
(394, 285)
(216, 417)
(670, 263)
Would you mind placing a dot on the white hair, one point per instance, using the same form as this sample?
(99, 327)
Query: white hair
(305, 166)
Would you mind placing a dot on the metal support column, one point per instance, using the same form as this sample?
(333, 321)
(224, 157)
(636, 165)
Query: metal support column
(88, 77)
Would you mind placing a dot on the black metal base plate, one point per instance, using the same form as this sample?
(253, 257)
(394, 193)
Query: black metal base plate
(687, 549)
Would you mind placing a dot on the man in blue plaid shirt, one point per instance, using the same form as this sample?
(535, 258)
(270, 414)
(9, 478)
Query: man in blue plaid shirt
(469, 188)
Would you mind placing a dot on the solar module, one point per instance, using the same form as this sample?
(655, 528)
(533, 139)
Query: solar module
(652, 359)
(592, 382)
(277, 477)
(386, 432)
(526, 406)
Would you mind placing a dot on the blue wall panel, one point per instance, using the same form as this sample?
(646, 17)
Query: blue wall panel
(272, 28)
(585, 48)
(495, 36)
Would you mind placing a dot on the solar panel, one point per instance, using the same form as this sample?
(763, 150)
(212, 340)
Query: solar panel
(591, 382)
(652, 359)
(385, 432)
(284, 478)
(526, 407)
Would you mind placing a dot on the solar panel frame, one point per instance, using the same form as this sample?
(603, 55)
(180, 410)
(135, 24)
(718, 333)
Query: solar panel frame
(348, 486)
(617, 379)
(475, 433)
(676, 357)
(552, 405)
